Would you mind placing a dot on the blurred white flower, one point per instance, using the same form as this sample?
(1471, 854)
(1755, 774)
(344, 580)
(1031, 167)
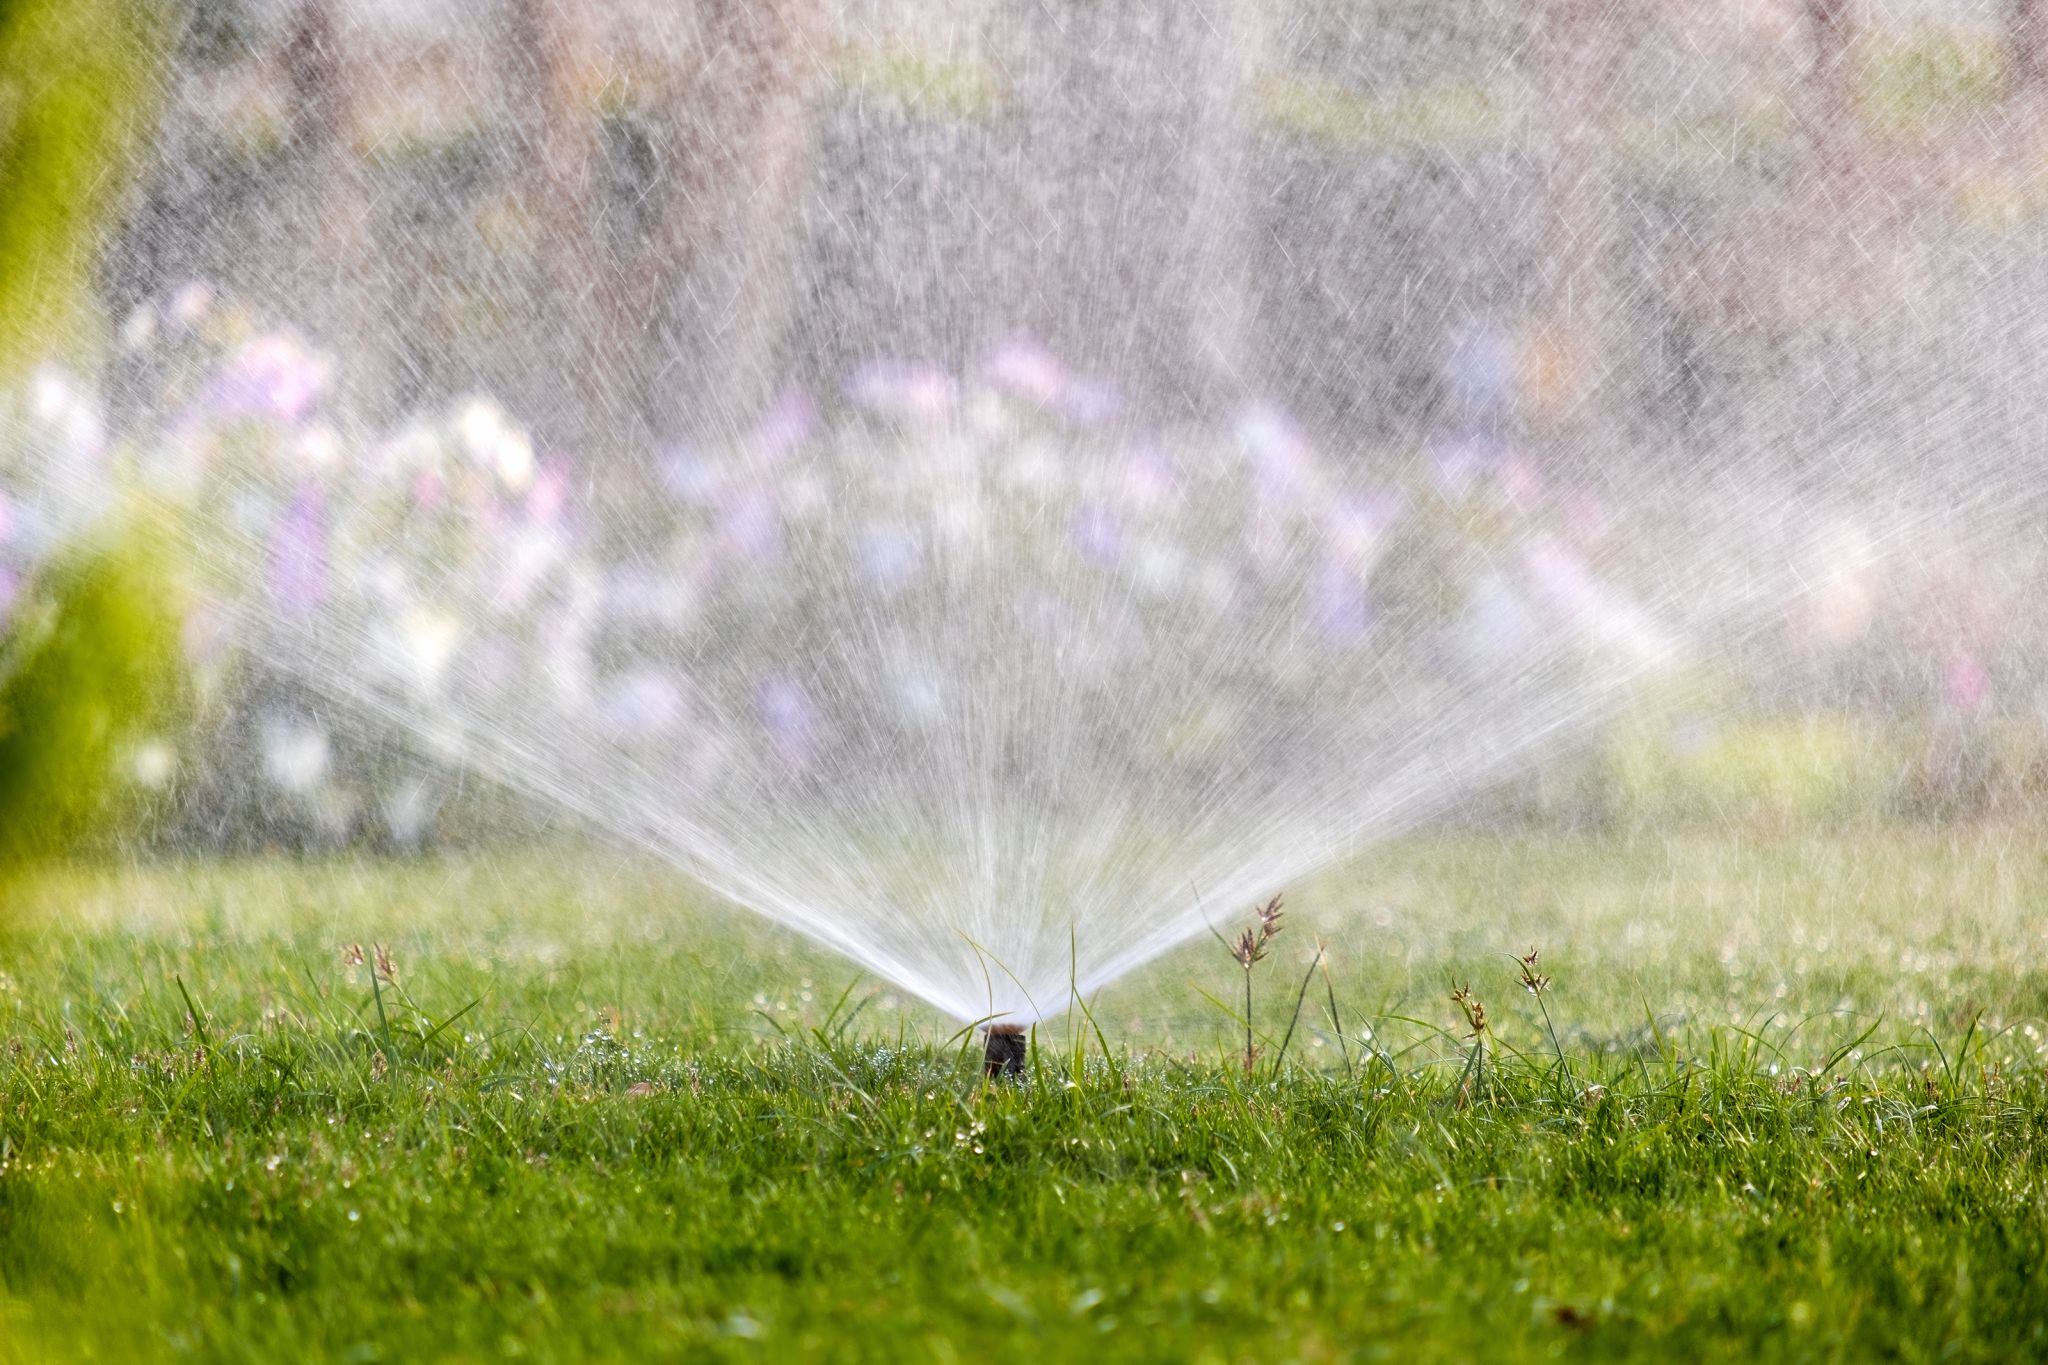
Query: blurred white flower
(806, 496)
(59, 403)
(1027, 370)
(413, 446)
(515, 461)
(890, 556)
(906, 389)
(1498, 624)
(963, 525)
(429, 639)
(190, 304)
(1159, 566)
(920, 693)
(477, 424)
(1606, 617)
(1035, 468)
(409, 812)
(989, 417)
(138, 329)
(296, 755)
(525, 561)
(317, 448)
(1843, 574)
(1217, 586)
(275, 376)
(493, 440)
(384, 581)
(152, 764)
(644, 702)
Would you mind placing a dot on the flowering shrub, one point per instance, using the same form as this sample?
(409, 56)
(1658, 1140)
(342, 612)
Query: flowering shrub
(87, 678)
(967, 654)
(860, 604)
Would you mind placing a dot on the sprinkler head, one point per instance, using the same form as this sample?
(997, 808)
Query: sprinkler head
(1005, 1056)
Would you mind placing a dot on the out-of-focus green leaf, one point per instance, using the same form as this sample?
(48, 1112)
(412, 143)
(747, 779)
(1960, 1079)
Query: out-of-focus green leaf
(77, 81)
(90, 677)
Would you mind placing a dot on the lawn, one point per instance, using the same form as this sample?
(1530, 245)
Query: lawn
(1783, 1098)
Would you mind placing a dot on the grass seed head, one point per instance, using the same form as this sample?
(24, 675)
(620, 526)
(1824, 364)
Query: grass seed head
(1269, 919)
(1250, 946)
(1473, 1007)
(1532, 981)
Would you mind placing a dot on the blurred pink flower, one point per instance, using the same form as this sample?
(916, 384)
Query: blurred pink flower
(1569, 587)
(1340, 605)
(1965, 684)
(1098, 536)
(496, 662)
(786, 716)
(889, 555)
(523, 561)
(1145, 479)
(1280, 453)
(548, 497)
(298, 555)
(634, 593)
(1587, 516)
(1460, 463)
(1520, 481)
(1562, 579)
(910, 390)
(1089, 402)
(644, 703)
(691, 477)
(749, 528)
(276, 376)
(1042, 613)
(701, 766)
(1028, 371)
(787, 424)
(189, 306)
(1353, 526)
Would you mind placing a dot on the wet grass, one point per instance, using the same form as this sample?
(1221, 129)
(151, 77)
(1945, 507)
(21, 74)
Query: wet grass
(1783, 1099)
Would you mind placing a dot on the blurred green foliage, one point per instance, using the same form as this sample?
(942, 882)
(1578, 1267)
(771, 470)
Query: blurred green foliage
(77, 81)
(1798, 771)
(1915, 76)
(87, 656)
(89, 670)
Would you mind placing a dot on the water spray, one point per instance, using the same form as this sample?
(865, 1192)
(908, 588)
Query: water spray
(956, 661)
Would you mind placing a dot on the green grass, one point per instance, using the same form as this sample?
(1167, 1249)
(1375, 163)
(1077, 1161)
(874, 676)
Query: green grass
(1799, 1113)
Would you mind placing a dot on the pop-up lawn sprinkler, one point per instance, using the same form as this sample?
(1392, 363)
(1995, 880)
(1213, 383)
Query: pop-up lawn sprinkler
(1005, 1056)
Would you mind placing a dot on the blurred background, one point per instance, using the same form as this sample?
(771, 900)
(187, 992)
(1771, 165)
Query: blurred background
(1745, 250)
(1662, 227)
